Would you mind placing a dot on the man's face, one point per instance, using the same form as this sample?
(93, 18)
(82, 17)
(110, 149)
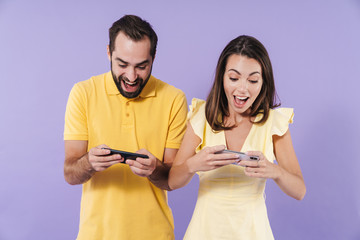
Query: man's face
(131, 64)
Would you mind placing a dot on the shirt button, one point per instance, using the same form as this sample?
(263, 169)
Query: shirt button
(127, 104)
(127, 114)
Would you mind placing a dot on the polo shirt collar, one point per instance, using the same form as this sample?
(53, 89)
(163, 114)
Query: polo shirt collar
(150, 88)
(148, 91)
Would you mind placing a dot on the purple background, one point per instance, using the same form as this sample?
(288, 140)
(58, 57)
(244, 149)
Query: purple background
(47, 46)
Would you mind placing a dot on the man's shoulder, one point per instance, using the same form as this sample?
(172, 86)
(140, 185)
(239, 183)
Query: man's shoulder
(94, 83)
(94, 80)
(167, 89)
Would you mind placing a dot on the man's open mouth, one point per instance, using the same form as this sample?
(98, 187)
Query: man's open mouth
(130, 86)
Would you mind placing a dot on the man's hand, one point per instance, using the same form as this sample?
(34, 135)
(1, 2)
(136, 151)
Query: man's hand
(143, 167)
(100, 159)
(155, 170)
(81, 165)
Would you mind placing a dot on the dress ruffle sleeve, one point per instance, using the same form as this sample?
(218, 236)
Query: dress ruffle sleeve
(281, 119)
(196, 117)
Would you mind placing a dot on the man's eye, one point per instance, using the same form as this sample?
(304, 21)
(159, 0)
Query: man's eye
(141, 67)
(122, 66)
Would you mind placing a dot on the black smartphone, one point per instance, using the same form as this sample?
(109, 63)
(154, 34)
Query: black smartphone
(242, 155)
(126, 155)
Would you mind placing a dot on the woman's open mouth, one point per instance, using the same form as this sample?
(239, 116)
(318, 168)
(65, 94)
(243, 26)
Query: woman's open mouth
(240, 101)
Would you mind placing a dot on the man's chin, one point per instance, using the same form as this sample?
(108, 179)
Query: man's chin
(133, 94)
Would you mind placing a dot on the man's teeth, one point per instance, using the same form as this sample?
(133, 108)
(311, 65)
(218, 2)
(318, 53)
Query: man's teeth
(130, 83)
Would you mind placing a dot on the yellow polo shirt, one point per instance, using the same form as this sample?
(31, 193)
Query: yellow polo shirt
(116, 203)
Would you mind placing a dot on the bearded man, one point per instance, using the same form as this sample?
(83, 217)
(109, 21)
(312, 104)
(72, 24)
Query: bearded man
(130, 110)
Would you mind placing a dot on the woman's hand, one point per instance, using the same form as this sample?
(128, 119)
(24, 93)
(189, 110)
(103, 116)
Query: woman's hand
(208, 159)
(261, 168)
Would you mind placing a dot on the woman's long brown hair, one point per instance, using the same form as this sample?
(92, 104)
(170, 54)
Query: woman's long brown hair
(217, 104)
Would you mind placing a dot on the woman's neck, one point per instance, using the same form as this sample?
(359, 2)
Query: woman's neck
(237, 118)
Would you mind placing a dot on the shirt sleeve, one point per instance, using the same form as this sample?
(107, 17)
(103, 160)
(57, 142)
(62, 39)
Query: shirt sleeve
(197, 119)
(282, 118)
(75, 115)
(177, 124)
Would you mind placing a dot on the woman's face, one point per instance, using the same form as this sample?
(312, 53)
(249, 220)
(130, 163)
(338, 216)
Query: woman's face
(242, 83)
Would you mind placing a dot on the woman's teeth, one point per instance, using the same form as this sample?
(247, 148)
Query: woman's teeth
(241, 98)
(240, 101)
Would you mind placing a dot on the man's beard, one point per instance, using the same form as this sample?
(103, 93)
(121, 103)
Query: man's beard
(126, 94)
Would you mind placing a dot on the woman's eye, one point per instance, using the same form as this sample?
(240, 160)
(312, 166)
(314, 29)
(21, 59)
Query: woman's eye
(233, 79)
(253, 81)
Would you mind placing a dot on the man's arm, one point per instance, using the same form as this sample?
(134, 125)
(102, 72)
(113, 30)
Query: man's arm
(155, 170)
(160, 175)
(152, 168)
(77, 168)
(81, 165)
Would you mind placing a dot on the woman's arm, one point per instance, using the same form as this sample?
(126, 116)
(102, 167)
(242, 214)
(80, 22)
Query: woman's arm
(286, 173)
(187, 162)
(290, 178)
(180, 174)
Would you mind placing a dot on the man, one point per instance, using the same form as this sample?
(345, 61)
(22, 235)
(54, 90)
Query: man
(125, 109)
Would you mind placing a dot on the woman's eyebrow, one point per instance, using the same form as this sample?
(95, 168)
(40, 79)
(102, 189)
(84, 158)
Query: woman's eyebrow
(231, 69)
(254, 73)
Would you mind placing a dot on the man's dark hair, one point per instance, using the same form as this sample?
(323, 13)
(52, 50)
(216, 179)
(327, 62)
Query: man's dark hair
(136, 29)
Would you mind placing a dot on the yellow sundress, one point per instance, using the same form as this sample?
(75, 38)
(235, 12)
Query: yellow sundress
(231, 205)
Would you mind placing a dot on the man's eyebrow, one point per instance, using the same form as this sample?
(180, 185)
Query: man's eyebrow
(119, 59)
(142, 63)
(138, 64)
(240, 73)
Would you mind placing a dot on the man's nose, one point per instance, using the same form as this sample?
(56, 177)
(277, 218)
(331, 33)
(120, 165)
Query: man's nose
(131, 74)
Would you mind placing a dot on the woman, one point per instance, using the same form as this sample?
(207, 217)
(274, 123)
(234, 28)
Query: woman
(238, 115)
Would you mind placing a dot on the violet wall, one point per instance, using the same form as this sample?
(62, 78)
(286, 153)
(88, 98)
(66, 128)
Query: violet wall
(47, 46)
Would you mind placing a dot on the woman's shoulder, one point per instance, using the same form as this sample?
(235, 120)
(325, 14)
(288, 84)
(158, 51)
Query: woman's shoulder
(196, 103)
(280, 118)
(285, 114)
(196, 108)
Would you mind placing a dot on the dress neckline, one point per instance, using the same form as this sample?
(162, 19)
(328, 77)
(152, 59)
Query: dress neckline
(247, 137)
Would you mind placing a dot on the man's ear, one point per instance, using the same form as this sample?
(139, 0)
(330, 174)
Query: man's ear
(108, 52)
